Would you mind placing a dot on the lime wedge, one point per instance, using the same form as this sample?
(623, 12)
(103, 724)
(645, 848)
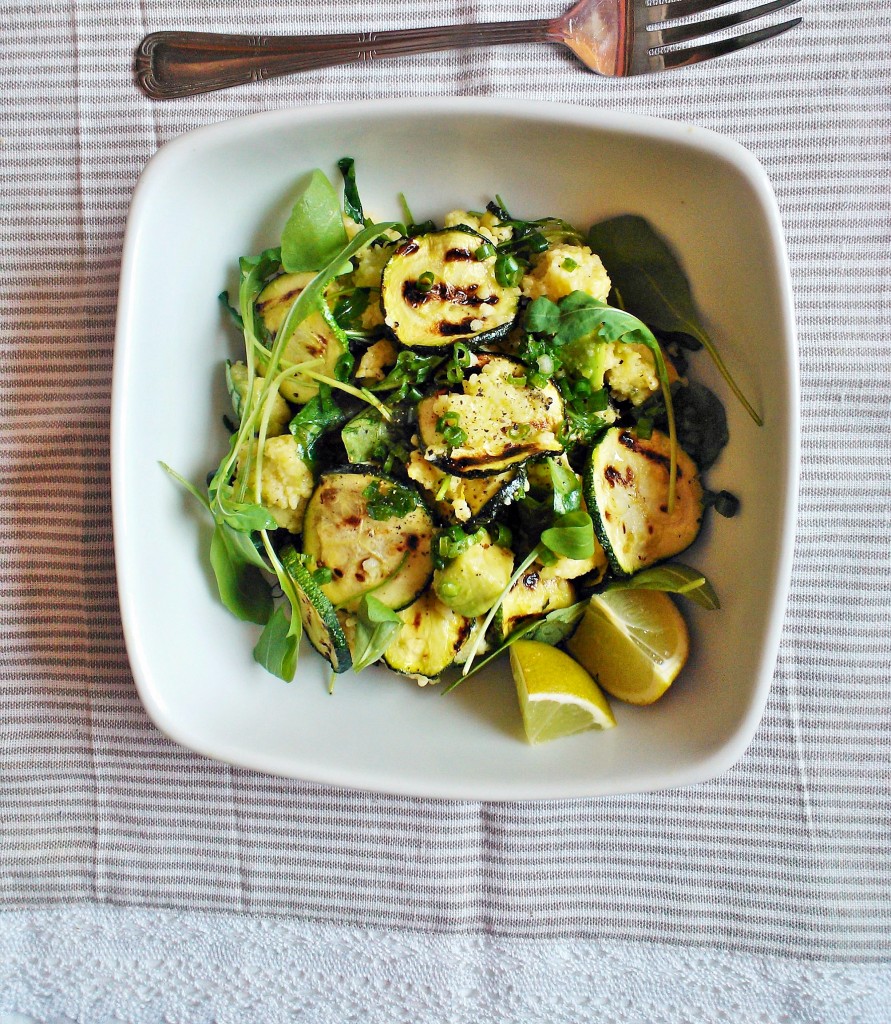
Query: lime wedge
(634, 643)
(557, 696)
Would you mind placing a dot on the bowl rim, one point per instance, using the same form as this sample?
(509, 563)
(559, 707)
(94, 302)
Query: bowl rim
(621, 123)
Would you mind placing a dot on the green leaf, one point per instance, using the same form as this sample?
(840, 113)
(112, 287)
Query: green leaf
(542, 316)
(673, 578)
(376, 626)
(648, 275)
(572, 535)
(567, 488)
(245, 516)
(557, 625)
(363, 435)
(277, 649)
(243, 590)
(352, 204)
(702, 423)
(320, 414)
(314, 233)
(190, 487)
(553, 629)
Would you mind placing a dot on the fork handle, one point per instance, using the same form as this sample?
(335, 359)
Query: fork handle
(171, 64)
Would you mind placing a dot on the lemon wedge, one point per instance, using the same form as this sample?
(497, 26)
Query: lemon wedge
(634, 643)
(557, 696)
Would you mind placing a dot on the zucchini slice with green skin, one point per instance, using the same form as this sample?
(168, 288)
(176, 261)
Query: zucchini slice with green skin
(390, 557)
(320, 622)
(472, 502)
(504, 422)
(460, 300)
(312, 339)
(626, 491)
(430, 638)
(533, 595)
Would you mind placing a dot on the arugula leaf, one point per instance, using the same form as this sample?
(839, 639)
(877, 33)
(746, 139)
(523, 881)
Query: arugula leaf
(647, 273)
(673, 578)
(376, 626)
(277, 649)
(245, 516)
(352, 204)
(553, 629)
(320, 414)
(314, 232)
(190, 487)
(572, 535)
(242, 588)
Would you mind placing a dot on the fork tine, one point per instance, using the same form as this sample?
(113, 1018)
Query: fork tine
(695, 54)
(681, 8)
(689, 33)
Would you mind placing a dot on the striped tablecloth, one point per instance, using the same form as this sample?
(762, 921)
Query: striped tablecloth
(785, 854)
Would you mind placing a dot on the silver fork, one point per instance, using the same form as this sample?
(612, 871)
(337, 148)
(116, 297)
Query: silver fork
(612, 37)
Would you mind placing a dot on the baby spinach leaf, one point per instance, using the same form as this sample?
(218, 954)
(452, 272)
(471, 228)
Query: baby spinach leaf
(672, 578)
(352, 204)
(572, 535)
(277, 649)
(376, 627)
(243, 590)
(702, 423)
(647, 273)
(542, 316)
(314, 232)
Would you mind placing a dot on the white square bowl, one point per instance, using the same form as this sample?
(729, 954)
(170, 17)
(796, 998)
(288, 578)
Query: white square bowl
(224, 191)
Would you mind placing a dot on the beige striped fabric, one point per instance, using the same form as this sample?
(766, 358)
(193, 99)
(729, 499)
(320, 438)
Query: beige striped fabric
(787, 853)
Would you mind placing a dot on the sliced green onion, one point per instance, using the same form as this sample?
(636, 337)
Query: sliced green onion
(507, 271)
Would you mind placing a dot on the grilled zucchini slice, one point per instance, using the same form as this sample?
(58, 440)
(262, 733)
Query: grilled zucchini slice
(312, 339)
(626, 491)
(504, 421)
(435, 292)
(320, 622)
(534, 594)
(476, 501)
(391, 556)
(431, 636)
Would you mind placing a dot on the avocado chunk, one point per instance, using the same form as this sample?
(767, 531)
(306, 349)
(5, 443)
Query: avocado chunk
(471, 583)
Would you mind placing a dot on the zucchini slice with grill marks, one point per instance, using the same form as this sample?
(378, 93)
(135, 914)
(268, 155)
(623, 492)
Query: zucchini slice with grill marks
(312, 339)
(435, 291)
(390, 557)
(504, 421)
(320, 622)
(473, 502)
(431, 636)
(533, 595)
(626, 491)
